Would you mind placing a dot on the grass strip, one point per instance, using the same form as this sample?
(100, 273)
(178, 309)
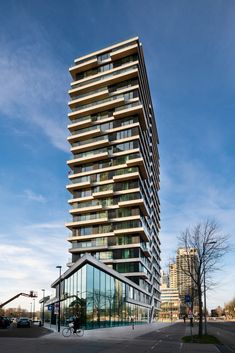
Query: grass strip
(205, 339)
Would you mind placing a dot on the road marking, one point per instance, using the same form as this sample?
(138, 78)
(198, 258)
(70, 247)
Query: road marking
(225, 349)
(155, 345)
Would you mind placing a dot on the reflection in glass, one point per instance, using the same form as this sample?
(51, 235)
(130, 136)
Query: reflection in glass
(100, 300)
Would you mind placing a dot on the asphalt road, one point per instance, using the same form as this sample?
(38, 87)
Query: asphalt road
(225, 331)
(24, 332)
(118, 340)
(154, 338)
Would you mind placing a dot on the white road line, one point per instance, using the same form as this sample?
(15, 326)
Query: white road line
(155, 344)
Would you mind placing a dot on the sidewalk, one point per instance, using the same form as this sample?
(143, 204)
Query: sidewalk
(120, 332)
(164, 337)
(197, 347)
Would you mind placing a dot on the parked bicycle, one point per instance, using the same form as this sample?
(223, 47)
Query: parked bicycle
(68, 331)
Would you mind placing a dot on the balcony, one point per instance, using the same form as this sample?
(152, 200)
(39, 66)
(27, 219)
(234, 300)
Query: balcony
(146, 250)
(137, 202)
(139, 230)
(93, 221)
(101, 75)
(81, 124)
(80, 199)
(90, 236)
(110, 175)
(105, 80)
(81, 210)
(132, 110)
(121, 53)
(100, 94)
(96, 143)
(136, 274)
(90, 158)
(79, 185)
(71, 225)
(87, 65)
(84, 135)
(103, 56)
(88, 249)
(93, 152)
(94, 108)
(140, 163)
(103, 193)
(126, 176)
(85, 58)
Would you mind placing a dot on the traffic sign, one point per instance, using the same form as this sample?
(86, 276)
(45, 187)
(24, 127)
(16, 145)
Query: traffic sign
(56, 308)
(50, 307)
(187, 298)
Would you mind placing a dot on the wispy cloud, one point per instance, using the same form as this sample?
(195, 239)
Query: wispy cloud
(29, 262)
(33, 87)
(32, 196)
(190, 193)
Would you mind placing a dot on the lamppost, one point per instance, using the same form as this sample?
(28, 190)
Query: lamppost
(204, 279)
(33, 308)
(59, 267)
(43, 313)
(31, 311)
(171, 311)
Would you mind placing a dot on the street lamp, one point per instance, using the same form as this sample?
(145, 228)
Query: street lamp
(33, 308)
(171, 310)
(43, 313)
(204, 280)
(59, 267)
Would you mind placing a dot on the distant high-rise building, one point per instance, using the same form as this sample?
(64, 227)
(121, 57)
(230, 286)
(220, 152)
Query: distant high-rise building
(170, 304)
(173, 275)
(186, 260)
(114, 183)
(170, 301)
(164, 279)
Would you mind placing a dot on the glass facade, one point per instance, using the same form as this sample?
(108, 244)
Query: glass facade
(101, 300)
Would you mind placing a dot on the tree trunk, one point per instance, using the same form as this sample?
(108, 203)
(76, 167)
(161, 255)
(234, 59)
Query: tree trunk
(200, 311)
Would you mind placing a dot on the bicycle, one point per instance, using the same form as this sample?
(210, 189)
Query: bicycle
(68, 331)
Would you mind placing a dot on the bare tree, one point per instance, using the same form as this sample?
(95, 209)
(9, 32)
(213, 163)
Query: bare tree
(210, 245)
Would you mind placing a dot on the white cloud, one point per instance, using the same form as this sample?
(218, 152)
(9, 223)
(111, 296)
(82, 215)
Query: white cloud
(224, 291)
(33, 88)
(28, 261)
(32, 196)
(191, 194)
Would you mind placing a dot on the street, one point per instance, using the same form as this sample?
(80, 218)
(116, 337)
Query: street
(224, 331)
(157, 337)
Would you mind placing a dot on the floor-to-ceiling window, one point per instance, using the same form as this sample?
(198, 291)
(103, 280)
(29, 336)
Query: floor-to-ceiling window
(99, 299)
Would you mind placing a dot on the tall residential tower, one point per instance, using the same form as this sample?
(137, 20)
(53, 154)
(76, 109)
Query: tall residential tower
(186, 261)
(114, 168)
(173, 275)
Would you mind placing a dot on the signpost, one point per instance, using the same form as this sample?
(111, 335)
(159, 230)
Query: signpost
(188, 302)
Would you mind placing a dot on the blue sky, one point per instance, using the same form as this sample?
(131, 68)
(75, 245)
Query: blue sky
(190, 56)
